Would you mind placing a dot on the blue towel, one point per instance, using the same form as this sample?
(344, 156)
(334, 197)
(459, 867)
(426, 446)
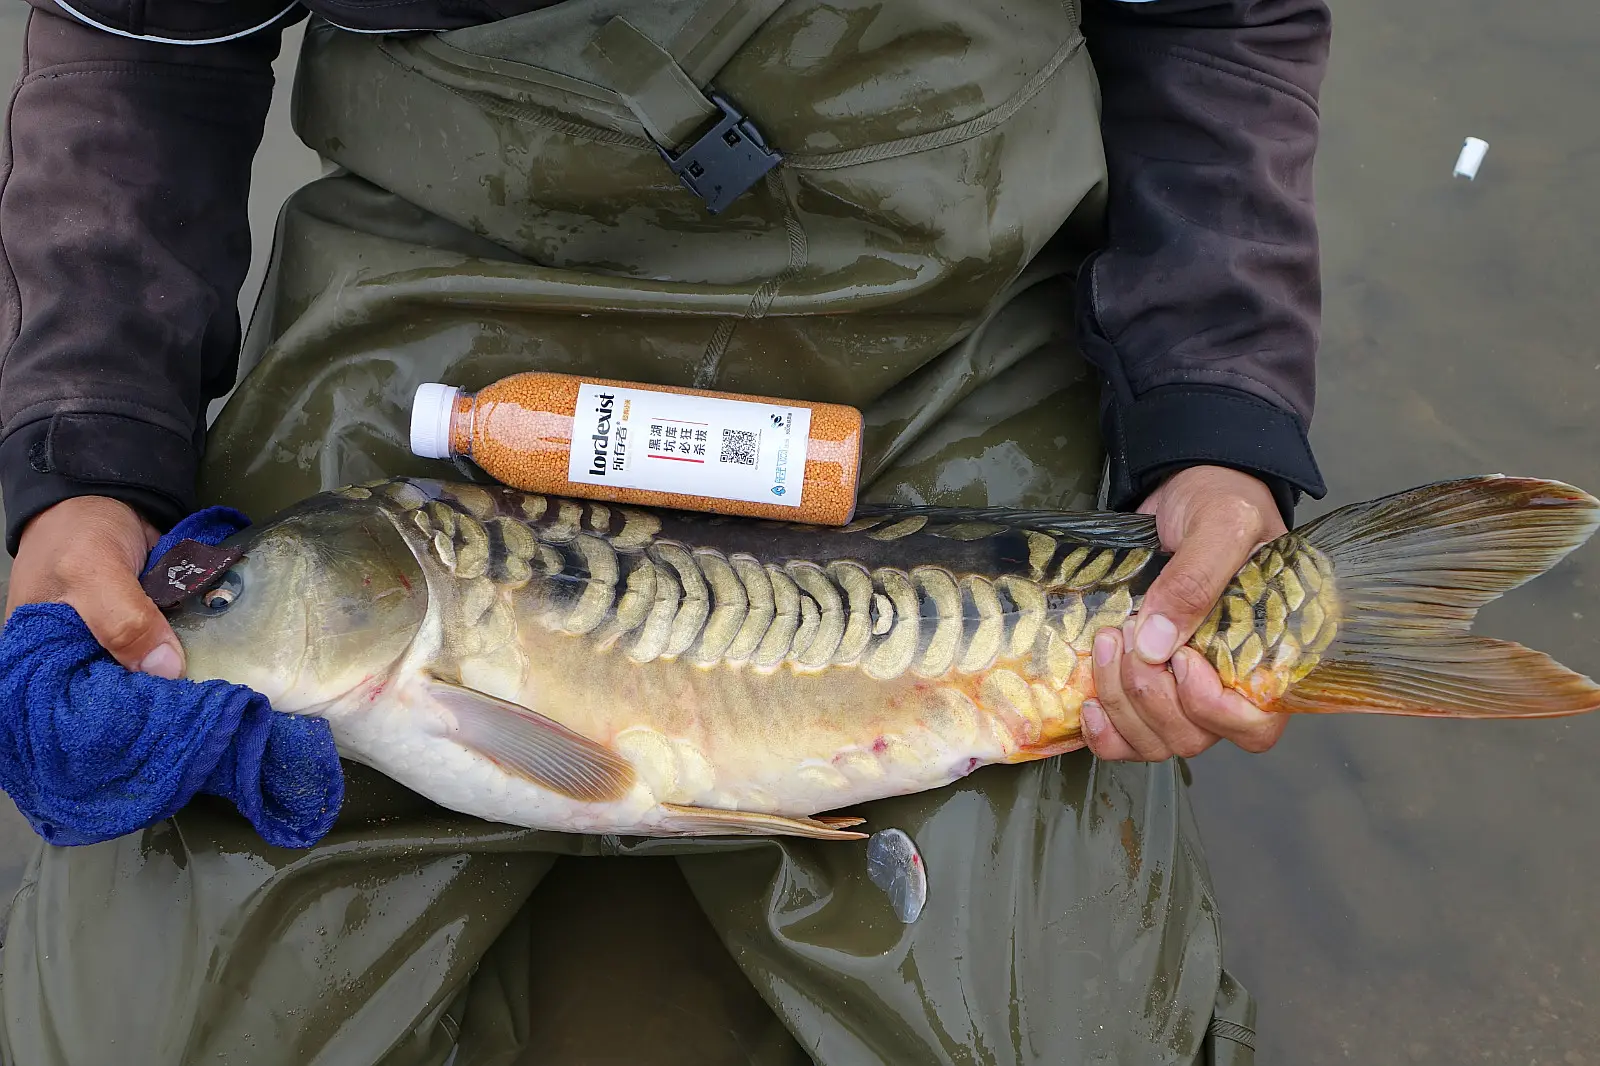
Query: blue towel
(90, 751)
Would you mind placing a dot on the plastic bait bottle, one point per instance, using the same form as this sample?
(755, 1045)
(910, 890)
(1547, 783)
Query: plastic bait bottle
(651, 445)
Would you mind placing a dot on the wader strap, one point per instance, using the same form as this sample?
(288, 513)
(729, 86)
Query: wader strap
(706, 140)
(658, 91)
(719, 29)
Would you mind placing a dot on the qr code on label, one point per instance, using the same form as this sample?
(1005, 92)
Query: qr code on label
(739, 446)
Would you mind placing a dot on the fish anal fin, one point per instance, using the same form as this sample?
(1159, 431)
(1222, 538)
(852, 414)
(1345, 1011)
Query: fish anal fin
(1464, 677)
(533, 747)
(704, 821)
(1033, 752)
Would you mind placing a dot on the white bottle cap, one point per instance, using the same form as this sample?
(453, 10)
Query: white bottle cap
(1471, 158)
(430, 419)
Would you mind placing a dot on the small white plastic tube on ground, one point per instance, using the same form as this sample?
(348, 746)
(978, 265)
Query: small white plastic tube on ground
(1471, 157)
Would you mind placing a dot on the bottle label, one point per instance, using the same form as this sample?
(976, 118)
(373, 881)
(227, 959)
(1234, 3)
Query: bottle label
(695, 445)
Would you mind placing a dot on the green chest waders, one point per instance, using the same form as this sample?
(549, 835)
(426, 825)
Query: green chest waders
(509, 197)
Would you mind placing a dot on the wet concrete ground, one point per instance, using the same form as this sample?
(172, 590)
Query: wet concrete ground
(1418, 891)
(1395, 890)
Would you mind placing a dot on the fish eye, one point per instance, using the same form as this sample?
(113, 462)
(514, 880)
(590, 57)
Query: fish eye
(221, 596)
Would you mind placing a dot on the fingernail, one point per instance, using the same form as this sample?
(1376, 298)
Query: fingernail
(162, 662)
(1180, 666)
(1105, 648)
(1092, 717)
(1157, 637)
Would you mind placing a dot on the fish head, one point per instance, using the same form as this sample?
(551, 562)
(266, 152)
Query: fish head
(327, 597)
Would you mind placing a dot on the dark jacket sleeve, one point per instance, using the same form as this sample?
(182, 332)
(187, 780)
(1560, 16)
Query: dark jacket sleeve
(1202, 309)
(125, 239)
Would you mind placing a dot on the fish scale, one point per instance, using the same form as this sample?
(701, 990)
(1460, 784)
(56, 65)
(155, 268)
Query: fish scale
(1274, 628)
(931, 618)
(660, 598)
(588, 667)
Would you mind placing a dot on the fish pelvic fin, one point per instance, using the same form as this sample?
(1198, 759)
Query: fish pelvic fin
(704, 821)
(1376, 611)
(529, 745)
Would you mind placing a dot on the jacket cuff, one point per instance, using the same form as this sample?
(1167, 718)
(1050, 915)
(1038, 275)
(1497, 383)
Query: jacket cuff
(149, 468)
(181, 22)
(1173, 427)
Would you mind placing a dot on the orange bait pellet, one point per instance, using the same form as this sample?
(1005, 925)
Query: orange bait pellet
(690, 449)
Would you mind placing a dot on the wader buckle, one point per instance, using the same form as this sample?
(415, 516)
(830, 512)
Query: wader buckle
(726, 161)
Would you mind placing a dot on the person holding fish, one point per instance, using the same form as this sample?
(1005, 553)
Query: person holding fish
(1059, 254)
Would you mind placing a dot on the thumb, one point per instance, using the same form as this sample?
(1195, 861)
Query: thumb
(128, 624)
(1187, 588)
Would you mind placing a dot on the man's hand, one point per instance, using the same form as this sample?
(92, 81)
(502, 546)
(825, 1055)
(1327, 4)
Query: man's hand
(1152, 703)
(88, 552)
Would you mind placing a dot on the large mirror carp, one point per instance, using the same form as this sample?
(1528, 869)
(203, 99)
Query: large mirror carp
(567, 665)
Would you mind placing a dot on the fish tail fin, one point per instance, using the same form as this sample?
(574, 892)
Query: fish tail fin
(1409, 573)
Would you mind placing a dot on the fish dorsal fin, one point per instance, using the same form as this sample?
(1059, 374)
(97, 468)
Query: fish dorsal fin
(705, 821)
(533, 747)
(1111, 529)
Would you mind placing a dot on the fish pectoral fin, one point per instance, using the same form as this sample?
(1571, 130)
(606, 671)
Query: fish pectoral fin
(526, 743)
(707, 822)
